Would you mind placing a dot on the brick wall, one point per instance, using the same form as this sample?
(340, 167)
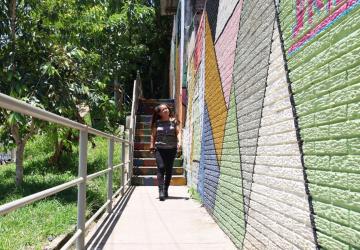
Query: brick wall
(278, 200)
(273, 122)
(323, 60)
(225, 11)
(226, 43)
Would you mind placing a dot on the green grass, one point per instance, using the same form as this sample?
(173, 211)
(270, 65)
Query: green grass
(194, 194)
(32, 225)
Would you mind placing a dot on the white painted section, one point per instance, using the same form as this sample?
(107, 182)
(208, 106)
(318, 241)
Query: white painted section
(226, 8)
(278, 215)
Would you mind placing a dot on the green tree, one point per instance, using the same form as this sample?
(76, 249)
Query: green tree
(61, 55)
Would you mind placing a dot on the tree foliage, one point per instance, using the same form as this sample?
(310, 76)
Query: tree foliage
(61, 55)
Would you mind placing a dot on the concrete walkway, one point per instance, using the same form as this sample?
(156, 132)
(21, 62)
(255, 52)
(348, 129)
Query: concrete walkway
(141, 222)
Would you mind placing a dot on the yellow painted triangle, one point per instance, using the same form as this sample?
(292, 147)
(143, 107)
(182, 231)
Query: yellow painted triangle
(214, 95)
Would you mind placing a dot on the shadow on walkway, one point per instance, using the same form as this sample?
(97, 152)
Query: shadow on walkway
(177, 198)
(141, 222)
(100, 236)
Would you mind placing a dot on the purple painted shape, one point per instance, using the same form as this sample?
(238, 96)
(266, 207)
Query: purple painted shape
(343, 10)
(209, 167)
(225, 51)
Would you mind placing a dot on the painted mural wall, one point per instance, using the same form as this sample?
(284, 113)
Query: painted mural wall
(272, 126)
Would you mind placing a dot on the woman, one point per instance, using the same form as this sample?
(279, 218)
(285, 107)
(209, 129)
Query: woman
(165, 141)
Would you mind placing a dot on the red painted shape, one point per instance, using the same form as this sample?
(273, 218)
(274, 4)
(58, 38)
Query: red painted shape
(347, 4)
(225, 51)
(199, 43)
(301, 9)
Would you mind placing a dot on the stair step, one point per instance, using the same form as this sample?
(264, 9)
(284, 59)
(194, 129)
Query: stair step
(142, 138)
(158, 101)
(143, 154)
(140, 153)
(152, 162)
(141, 146)
(141, 132)
(153, 105)
(144, 118)
(145, 110)
(148, 109)
(151, 180)
(146, 171)
(143, 125)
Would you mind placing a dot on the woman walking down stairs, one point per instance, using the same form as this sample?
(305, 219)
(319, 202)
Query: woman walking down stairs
(145, 169)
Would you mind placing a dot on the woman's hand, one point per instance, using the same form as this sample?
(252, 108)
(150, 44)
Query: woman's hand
(152, 149)
(179, 147)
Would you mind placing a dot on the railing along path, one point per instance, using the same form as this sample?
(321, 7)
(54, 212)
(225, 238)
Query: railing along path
(12, 104)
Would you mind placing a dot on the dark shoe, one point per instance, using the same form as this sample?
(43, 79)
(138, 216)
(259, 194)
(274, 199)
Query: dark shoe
(161, 193)
(166, 191)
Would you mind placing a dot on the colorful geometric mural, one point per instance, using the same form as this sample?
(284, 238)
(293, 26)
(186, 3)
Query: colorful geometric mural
(250, 73)
(226, 44)
(229, 191)
(209, 164)
(323, 60)
(305, 30)
(225, 11)
(273, 121)
(214, 96)
(278, 199)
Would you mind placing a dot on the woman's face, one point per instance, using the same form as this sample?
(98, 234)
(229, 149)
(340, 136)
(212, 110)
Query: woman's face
(164, 111)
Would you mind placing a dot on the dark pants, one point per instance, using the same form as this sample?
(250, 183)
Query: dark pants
(164, 160)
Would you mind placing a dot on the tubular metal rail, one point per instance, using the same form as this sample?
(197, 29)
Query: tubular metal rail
(126, 165)
(137, 94)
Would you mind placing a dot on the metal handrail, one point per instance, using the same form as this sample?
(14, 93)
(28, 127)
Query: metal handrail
(137, 94)
(18, 106)
(15, 105)
(72, 240)
(99, 211)
(11, 206)
(97, 174)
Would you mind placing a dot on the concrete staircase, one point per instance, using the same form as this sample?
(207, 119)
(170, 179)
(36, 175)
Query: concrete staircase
(144, 172)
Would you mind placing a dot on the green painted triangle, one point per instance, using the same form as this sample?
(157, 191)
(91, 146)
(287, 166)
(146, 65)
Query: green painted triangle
(229, 205)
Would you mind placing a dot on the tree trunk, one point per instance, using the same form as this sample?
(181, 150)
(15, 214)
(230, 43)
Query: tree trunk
(13, 155)
(58, 149)
(19, 163)
(20, 148)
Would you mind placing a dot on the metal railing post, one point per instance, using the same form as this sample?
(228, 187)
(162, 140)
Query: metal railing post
(131, 156)
(83, 142)
(127, 148)
(123, 145)
(110, 175)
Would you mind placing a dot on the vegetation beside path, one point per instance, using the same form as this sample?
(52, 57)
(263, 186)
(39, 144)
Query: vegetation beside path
(35, 225)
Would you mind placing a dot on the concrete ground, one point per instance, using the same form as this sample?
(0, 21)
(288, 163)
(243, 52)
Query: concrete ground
(140, 222)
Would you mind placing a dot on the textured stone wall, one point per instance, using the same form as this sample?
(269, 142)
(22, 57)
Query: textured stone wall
(250, 73)
(278, 199)
(273, 121)
(226, 43)
(225, 11)
(324, 70)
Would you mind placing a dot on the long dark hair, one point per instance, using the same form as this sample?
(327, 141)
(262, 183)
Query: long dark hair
(156, 114)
